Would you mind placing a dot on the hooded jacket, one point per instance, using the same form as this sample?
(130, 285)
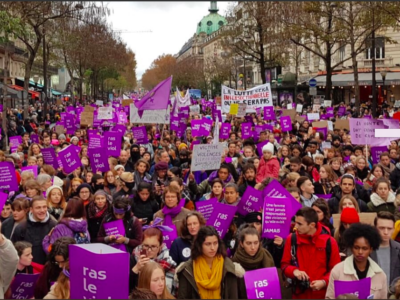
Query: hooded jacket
(8, 265)
(205, 186)
(377, 204)
(269, 168)
(34, 232)
(395, 177)
(337, 195)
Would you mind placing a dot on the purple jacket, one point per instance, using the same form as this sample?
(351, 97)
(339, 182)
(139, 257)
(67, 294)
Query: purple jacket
(66, 227)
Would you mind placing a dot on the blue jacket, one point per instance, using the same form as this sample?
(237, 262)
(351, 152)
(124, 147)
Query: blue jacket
(180, 250)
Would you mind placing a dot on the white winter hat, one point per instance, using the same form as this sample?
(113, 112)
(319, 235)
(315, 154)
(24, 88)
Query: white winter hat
(48, 191)
(268, 148)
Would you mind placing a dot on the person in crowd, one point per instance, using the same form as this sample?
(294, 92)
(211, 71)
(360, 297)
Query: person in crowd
(125, 185)
(142, 294)
(96, 210)
(25, 263)
(97, 182)
(8, 263)
(388, 254)
(181, 247)
(382, 199)
(362, 168)
(20, 209)
(248, 178)
(6, 212)
(269, 164)
(44, 181)
(55, 201)
(310, 280)
(144, 204)
(61, 288)
(348, 201)
(362, 240)
(322, 209)
(85, 193)
(376, 173)
(209, 274)
(386, 164)
(152, 277)
(160, 178)
(250, 254)
(110, 182)
(326, 182)
(73, 191)
(217, 187)
(142, 168)
(56, 262)
(348, 217)
(73, 224)
(37, 226)
(173, 213)
(306, 187)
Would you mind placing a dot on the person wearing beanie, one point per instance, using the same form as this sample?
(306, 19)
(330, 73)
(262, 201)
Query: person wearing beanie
(125, 184)
(182, 146)
(348, 217)
(160, 179)
(269, 165)
(97, 210)
(84, 191)
(119, 169)
(74, 140)
(56, 203)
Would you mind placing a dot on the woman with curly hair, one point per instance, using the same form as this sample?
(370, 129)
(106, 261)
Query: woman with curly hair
(362, 240)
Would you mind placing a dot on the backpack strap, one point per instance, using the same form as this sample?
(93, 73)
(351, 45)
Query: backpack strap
(293, 249)
(328, 249)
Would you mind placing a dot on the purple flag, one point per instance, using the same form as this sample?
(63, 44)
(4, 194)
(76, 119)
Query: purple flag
(8, 179)
(222, 217)
(286, 123)
(15, 141)
(96, 267)
(269, 113)
(23, 286)
(32, 169)
(361, 288)
(117, 229)
(206, 207)
(225, 130)
(3, 199)
(69, 159)
(98, 159)
(251, 201)
(140, 134)
(376, 152)
(49, 157)
(263, 284)
(246, 130)
(35, 138)
(112, 141)
(156, 99)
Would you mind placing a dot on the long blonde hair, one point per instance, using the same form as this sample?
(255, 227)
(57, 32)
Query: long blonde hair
(145, 278)
(62, 288)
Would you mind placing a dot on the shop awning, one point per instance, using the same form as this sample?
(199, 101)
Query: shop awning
(13, 93)
(392, 78)
(33, 93)
(56, 93)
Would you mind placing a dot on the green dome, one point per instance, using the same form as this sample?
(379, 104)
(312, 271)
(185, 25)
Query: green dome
(212, 22)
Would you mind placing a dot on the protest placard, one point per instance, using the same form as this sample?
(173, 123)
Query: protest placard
(327, 103)
(206, 207)
(263, 284)
(122, 118)
(299, 108)
(23, 286)
(8, 178)
(96, 267)
(225, 130)
(31, 169)
(105, 113)
(258, 96)
(160, 116)
(376, 153)
(140, 134)
(241, 110)
(205, 126)
(269, 113)
(221, 217)
(286, 123)
(342, 124)
(98, 159)
(313, 116)
(289, 112)
(234, 108)
(206, 157)
(112, 142)
(246, 130)
(117, 229)
(49, 157)
(15, 141)
(34, 138)
(360, 288)
(326, 145)
(194, 110)
(70, 159)
(126, 102)
(362, 132)
(251, 201)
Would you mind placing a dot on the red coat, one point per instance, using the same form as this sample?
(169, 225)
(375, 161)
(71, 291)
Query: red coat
(267, 169)
(311, 258)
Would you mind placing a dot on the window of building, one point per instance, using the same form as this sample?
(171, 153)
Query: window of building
(209, 23)
(342, 52)
(379, 49)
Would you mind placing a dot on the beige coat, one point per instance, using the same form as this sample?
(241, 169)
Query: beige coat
(345, 271)
(8, 265)
(177, 220)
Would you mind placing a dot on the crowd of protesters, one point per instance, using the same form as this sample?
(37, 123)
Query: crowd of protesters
(150, 186)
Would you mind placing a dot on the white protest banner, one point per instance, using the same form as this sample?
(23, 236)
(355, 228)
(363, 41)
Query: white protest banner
(105, 113)
(397, 103)
(299, 108)
(258, 96)
(242, 110)
(311, 117)
(194, 109)
(326, 145)
(327, 103)
(289, 106)
(206, 157)
(99, 102)
(216, 132)
(149, 116)
(316, 107)
(330, 125)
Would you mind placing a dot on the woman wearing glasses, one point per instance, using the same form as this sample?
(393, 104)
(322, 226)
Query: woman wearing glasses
(84, 192)
(152, 249)
(110, 186)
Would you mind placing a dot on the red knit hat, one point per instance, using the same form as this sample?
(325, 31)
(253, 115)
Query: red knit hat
(349, 215)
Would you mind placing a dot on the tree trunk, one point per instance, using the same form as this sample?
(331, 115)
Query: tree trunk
(328, 87)
(28, 69)
(4, 113)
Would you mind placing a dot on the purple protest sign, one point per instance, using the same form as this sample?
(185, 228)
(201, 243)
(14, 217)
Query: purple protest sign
(122, 117)
(49, 157)
(95, 141)
(195, 124)
(361, 288)
(35, 138)
(341, 111)
(277, 215)
(269, 113)
(23, 286)
(8, 178)
(258, 111)
(286, 123)
(275, 189)
(69, 123)
(222, 217)
(324, 131)
(260, 146)
(206, 207)
(329, 112)
(140, 134)
(32, 169)
(263, 284)
(170, 236)
(225, 130)
(96, 267)
(98, 160)
(217, 113)
(174, 123)
(325, 197)
(15, 141)
(246, 130)
(69, 159)
(119, 128)
(205, 126)
(112, 141)
(362, 132)
(376, 152)
(3, 199)
(117, 229)
(251, 201)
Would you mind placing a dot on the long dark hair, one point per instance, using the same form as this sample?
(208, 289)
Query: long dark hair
(75, 209)
(185, 231)
(204, 232)
(323, 206)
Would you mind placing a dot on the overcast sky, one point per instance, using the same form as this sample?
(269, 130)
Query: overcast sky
(171, 23)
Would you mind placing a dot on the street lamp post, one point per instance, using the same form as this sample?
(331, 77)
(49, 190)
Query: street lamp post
(383, 74)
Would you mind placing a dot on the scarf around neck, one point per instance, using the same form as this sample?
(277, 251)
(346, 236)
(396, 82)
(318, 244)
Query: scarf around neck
(208, 280)
(262, 259)
(170, 213)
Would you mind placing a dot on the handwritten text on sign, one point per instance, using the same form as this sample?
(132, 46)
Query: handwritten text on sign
(206, 157)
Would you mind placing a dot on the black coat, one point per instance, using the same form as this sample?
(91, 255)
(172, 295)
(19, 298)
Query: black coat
(7, 227)
(337, 195)
(395, 177)
(394, 260)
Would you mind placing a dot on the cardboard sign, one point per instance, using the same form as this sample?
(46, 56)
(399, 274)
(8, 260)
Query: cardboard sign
(327, 103)
(127, 102)
(366, 218)
(160, 116)
(320, 124)
(299, 108)
(300, 119)
(206, 157)
(60, 129)
(263, 284)
(289, 112)
(96, 267)
(342, 124)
